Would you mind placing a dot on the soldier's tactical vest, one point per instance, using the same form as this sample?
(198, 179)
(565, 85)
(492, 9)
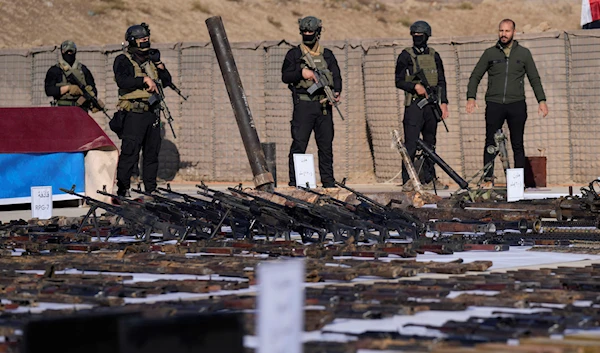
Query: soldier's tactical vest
(425, 62)
(67, 99)
(137, 99)
(320, 63)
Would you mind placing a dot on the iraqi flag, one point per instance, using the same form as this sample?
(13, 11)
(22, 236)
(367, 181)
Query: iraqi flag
(590, 11)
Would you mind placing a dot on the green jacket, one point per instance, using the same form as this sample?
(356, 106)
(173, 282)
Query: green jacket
(505, 75)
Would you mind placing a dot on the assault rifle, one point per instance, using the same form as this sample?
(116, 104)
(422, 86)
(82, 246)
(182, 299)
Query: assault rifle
(161, 105)
(340, 221)
(206, 220)
(322, 82)
(132, 214)
(264, 219)
(88, 95)
(301, 224)
(390, 212)
(213, 211)
(432, 98)
(367, 212)
(157, 100)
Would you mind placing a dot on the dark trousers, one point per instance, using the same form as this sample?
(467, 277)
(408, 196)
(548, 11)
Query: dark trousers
(309, 117)
(139, 134)
(515, 115)
(416, 122)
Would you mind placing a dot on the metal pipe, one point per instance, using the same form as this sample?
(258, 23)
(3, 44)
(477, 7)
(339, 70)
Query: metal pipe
(408, 163)
(271, 156)
(263, 180)
(445, 167)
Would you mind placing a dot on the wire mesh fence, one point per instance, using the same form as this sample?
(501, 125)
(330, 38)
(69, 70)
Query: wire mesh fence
(209, 147)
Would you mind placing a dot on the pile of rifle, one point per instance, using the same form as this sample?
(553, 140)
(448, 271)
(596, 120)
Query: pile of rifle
(251, 214)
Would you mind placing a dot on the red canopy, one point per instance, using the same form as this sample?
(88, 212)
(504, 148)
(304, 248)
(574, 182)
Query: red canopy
(50, 129)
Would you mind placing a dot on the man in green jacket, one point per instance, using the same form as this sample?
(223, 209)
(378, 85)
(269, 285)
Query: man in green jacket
(506, 64)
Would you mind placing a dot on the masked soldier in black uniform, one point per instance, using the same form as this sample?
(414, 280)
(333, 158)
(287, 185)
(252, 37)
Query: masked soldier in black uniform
(57, 85)
(419, 121)
(311, 111)
(137, 72)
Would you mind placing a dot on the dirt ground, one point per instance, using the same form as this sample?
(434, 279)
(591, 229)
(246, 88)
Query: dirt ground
(30, 23)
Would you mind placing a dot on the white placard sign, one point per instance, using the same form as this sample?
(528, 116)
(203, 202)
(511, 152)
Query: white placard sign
(304, 167)
(515, 184)
(41, 202)
(280, 306)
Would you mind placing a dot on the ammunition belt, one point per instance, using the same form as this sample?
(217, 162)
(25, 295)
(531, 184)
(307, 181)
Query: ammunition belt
(134, 106)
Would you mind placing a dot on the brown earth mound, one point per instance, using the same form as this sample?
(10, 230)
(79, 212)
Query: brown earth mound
(28, 23)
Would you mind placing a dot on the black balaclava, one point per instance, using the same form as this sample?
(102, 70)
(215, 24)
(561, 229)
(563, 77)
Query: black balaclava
(420, 42)
(69, 57)
(141, 53)
(310, 39)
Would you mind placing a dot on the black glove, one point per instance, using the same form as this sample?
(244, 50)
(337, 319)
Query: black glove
(155, 56)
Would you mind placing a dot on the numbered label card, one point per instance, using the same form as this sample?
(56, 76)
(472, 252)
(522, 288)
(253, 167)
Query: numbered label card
(515, 184)
(304, 166)
(41, 202)
(280, 306)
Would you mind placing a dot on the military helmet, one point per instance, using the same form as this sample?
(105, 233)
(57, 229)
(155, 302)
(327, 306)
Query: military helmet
(136, 32)
(309, 24)
(421, 27)
(68, 45)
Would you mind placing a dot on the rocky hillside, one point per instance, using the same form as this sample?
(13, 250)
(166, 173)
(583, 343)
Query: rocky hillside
(27, 23)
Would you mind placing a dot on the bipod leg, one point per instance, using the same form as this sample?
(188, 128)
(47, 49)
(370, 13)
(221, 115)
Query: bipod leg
(384, 234)
(218, 227)
(250, 228)
(110, 233)
(286, 235)
(86, 218)
(185, 234)
(147, 233)
(337, 234)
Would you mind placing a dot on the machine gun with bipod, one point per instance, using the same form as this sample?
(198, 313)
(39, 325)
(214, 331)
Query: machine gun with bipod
(136, 215)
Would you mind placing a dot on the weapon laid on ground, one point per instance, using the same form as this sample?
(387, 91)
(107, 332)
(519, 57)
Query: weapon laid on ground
(393, 212)
(88, 95)
(207, 220)
(215, 212)
(322, 82)
(410, 167)
(432, 98)
(340, 220)
(295, 223)
(272, 219)
(445, 167)
(132, 214)
(365, 211)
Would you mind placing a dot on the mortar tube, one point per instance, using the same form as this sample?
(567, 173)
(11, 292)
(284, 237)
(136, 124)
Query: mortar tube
(263, 179)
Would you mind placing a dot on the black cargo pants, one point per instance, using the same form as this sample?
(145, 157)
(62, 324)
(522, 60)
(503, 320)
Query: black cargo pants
(140, 133)
(515, 115)
(308, 117)
(419, 121)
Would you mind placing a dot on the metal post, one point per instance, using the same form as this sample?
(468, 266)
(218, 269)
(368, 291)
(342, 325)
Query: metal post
(263, 180)
(270, 155)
